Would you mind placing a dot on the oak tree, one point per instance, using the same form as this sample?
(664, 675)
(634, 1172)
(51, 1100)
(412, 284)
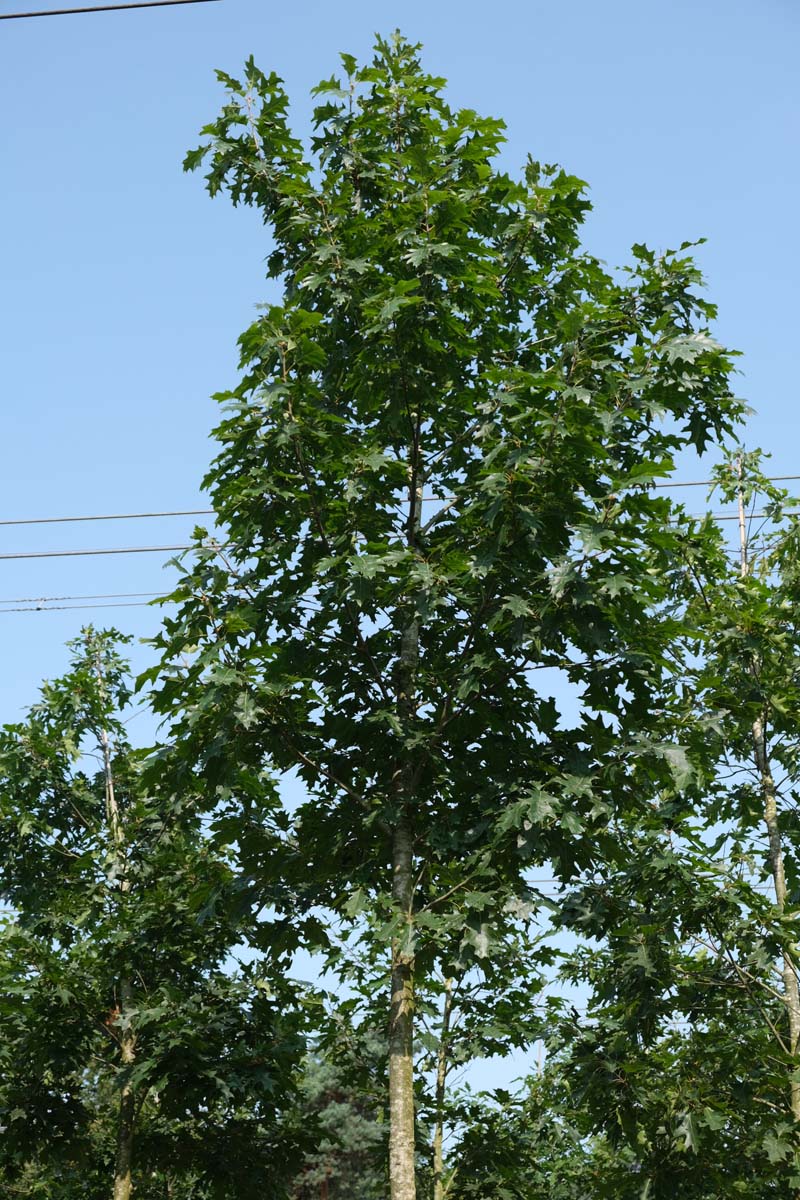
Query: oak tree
(431, 490)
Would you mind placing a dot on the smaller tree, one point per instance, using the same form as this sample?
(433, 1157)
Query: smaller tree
(113, 990)
(534, 1146)
(750, 620)
(680, 1057)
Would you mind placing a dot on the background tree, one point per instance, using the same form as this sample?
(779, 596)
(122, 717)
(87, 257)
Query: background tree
(697, 980)
(342, 1098)
(477, 1005)
(121, 1024)
(430, 482)
(676, 1062)
(534, 1146)
(753, 676)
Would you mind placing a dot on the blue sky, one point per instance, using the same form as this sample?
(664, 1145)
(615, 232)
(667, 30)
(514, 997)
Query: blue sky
(125, 286)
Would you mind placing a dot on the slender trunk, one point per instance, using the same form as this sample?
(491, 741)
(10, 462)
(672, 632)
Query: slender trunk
(441, 1083)
(791, 993)
(126, 1122)
(402, 1165)
(402, 1156)
(127, 1111)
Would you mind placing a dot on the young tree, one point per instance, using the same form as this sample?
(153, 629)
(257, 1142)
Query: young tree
(431, 485)
(742, 835)
(699, 924)
(754, 677)
(534, 1146)
(113, 992)
(676, 1061)
(473, 1005)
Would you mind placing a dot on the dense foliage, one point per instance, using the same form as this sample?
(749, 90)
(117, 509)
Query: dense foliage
(430, 486)
(114, 975)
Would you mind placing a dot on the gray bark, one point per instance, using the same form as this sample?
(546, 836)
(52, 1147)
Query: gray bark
(402, 1159)
(402, 1156)
(123, 1179)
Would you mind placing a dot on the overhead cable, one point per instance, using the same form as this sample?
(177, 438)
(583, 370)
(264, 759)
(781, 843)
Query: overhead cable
(65, 607)
(756, 516)
(91, 596)
(210, 512)
(68, 12)
(29, 554)
(110, 550)
(185, 512)
(714, 482)
(189, 512)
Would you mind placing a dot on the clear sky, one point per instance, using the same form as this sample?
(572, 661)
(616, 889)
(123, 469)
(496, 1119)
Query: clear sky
(125, 286)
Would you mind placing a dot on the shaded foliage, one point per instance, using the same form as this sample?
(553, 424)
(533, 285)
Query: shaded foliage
(106, 886)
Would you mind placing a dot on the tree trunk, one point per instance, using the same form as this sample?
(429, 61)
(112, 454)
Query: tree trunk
(791, 993)
(441, 1083)
(402, 1141)
(123, 1178)
(402, 1164)
(122, 1171)
(127, 1110)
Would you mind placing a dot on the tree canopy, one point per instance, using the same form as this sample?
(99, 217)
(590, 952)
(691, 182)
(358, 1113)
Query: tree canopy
(431, 487)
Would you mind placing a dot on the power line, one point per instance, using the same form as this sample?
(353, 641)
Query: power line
(91, 596)
(68, 12)
(189, 512)
(756, 516)
(210, 512)
(111, 550)
(65, 607)
(182, 512)
(28, 554)
(713, 482)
